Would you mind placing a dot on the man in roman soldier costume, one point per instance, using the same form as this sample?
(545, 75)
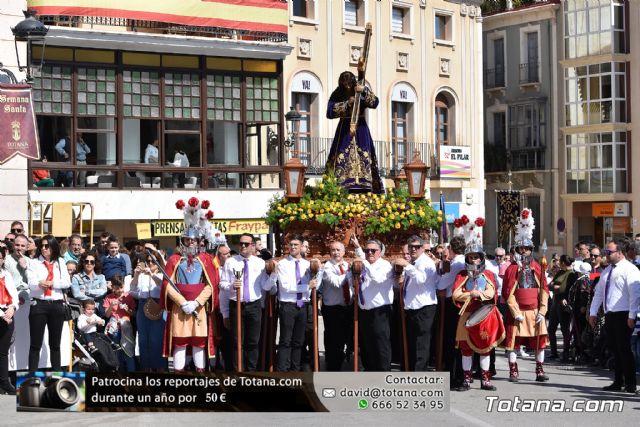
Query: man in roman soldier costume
(192, 293)
(526, 293)
(480, 328)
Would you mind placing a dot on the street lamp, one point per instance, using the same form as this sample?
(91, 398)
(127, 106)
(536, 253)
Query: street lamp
(416, 172)
(29, 30)
(294, 169)
(400, 178)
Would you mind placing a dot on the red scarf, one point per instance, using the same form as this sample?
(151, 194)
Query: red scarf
(5, 297)
(49, 265)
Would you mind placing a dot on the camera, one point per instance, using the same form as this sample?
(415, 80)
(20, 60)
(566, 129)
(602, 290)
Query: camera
(53, 392)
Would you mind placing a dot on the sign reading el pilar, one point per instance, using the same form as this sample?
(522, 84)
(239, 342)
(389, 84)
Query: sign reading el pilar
(18, 130)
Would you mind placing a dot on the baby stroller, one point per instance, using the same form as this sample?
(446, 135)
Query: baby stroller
(104, 358)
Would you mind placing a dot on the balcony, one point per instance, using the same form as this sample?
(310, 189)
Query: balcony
(529, 74)
(392, 157)
(494, 78)
(527, 158)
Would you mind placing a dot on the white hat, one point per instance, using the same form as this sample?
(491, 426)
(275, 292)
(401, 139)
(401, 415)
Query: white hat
(581, 267)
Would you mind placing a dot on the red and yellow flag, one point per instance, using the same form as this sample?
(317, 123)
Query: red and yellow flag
(251, 15)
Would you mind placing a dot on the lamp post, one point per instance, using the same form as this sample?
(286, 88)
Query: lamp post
(416, 172)
(399, 179)
(28, 30)
(294, 169)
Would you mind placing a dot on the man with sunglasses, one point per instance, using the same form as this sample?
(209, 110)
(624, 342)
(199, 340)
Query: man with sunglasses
(596, 263)
(17, 228)
(296, 283)
(618, 292)
(420, 302)
(254, 278)
(374, 301)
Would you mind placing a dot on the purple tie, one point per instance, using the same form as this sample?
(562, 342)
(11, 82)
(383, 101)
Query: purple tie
(299, 301)
(245, 281)
(606, 287)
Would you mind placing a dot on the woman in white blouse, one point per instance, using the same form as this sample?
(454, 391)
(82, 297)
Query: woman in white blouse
(8, 306)
(146, 284)
(48, 280)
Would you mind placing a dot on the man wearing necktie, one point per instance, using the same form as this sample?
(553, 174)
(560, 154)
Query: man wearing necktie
(255, 276)
(295, 281)
(618, 291)
(336, 307)
(419, 302)
(374, 301)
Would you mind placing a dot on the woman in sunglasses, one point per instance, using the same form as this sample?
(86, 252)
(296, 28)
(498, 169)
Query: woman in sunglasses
(87, 283)
(48, 280)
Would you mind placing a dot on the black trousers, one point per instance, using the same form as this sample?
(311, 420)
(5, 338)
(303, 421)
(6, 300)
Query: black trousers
(224, 351)
(49, 314)
(451, 355)
(293, 322)
(6, 332)
(619, 341)
(338, 321)
(375, 338)
(308, 344)
(251, 316)
(419, 324)
(559, 316)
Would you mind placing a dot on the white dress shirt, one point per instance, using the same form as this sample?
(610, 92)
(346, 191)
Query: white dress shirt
(38, 272)
(377, 287)
(332, 280)
(624, 290)
(147, 286)
(447, 280)
(224, 302)
(11, 290)
(420, 281)
(289, 289)
(259, 280)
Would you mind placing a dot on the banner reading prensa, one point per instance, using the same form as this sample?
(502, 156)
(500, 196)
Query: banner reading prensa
(18, 130)
(250, 15)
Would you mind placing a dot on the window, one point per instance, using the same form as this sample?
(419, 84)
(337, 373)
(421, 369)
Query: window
(529, 68)
(303, 8)
(595, 94)
(495, 150)
(443, 27)
(596, 162)
(527, 131)
(400, 19)
(399, 134)
(594, 27)
(302, 103)
(354, 13)
(442, 120)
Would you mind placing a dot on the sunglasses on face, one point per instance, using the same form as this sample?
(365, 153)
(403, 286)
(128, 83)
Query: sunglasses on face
(90, 261)
(9, 240)
(416, 247)
(17, 230)
(595, 255)
(44, 246)
(371, 251)
(609, 252)
(245, 244)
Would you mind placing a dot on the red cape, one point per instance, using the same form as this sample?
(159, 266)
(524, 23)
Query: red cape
(461, 279)
(510, 280)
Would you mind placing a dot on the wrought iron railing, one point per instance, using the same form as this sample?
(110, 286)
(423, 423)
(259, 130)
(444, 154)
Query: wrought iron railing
(529, 73)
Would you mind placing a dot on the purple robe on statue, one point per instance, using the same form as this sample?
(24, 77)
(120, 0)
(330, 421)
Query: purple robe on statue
(354, 165)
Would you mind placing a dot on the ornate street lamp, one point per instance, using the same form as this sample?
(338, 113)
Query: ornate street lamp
(400, 178)
(29, 30)
(416, 172)
(294, 169)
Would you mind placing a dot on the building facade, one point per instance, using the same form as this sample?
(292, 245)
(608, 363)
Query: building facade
(424, 64)
(521, 114)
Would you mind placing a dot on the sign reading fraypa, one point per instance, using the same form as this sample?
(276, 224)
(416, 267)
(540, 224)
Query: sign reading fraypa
(18, 130)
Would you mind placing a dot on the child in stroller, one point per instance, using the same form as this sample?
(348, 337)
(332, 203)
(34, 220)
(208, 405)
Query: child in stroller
(88, 322)
(103, 357)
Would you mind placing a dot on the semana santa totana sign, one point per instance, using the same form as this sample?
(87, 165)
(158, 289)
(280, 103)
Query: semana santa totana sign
(251, 15)
(227, 226)
(18, 130)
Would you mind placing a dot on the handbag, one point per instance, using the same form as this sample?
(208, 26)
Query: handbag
(68, 312)
(152, 310)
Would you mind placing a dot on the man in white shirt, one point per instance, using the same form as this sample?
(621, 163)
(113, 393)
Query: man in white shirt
(451, 355)
(420, 302)
(295, 288)
(337, 311)
(254, 277)
(375, 300)
(618, 291)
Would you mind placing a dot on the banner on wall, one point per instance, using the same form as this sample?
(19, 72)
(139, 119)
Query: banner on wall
(455, 162)
(18, 130)
(229, 227)
(250, 15)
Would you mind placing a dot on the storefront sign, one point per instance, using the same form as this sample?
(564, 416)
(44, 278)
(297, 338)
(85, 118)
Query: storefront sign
(227, 226)
(610, 209)
(254, 15)
(455, 162)
(18, 130)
